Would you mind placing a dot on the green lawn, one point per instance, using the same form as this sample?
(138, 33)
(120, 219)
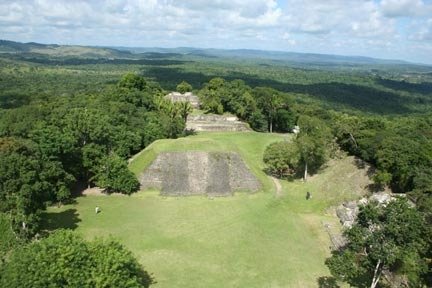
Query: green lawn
(255, 240)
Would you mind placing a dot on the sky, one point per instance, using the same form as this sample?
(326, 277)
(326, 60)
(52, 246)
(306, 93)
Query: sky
(390, 29)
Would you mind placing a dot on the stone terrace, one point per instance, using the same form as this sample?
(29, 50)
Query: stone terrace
(210, 122)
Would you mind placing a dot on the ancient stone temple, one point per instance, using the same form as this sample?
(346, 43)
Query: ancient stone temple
(186, 97)
(199, 173)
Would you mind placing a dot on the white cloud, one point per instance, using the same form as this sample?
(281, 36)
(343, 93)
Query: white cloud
(424, 31)
(351, 18)
(332, 26)
(405, 8)
(288, 39)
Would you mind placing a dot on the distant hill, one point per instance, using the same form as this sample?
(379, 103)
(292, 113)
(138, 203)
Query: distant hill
(267, 55)
(32, 49)
(61, 50)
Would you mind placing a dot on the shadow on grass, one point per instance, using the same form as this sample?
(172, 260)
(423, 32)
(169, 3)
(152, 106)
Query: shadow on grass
(67, 219)
(146, 279)
(327, 282)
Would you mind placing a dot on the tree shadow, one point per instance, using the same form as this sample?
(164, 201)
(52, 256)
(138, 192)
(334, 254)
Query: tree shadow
(327, 282)
(362, 164)
(189, 132)
(370, 172)
(67, 219)
(359, 163)
(375, 188)
(78, 187)
(146, 279)
(288, 177)
(342, 95)
(424, 88)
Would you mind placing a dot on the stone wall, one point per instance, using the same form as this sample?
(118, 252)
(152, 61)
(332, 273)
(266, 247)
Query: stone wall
(199, 173)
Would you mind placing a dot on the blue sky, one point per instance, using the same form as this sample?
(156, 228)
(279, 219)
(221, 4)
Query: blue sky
(396, 29)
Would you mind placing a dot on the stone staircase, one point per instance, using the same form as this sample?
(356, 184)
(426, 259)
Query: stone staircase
(199, 173)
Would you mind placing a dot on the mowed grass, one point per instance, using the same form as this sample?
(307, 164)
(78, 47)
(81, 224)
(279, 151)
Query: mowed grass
(248, 240)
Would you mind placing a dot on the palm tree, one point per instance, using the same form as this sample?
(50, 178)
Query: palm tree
(185, 108)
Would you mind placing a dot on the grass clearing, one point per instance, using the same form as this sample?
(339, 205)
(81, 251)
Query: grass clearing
(240, 241)
(248, 240)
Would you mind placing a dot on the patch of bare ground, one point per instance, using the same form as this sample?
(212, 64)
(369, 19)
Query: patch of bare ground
(94, 191)
(97, 191)
(277, 185)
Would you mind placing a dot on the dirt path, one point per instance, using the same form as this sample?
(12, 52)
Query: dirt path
(278, 186)
(93, 191)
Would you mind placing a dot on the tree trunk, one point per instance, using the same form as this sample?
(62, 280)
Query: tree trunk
(353, 139)
(271, 125)
(377, 274)
(305, 173)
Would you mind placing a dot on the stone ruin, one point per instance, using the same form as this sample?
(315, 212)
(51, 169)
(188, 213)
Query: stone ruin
(186, 97)
(199, 173)
(211, 122)
(207, 122)
(347, 212)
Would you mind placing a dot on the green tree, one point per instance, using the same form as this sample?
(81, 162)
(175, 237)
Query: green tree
(282, 158)
(269, 100)
(284, 120)
(8, 239)
(344, 128)
(155, 127)
(185, 108)
(27, 181)
(382, 179)
(257, 121)
(64, 259)
(237, 98)
(113, 174)
(313, 143)
(169, 119)
(391, 238)
(212, 94)
(184, 87)
(132, 81)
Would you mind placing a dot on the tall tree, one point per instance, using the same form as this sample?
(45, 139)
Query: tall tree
(392, 238)
(269, 100)
(132, 81)
(113, 174)
(64, 259)
(282, 158)
(27, 181)
(212, 94)
(313, 143)
(184, 87)
(185, 108)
